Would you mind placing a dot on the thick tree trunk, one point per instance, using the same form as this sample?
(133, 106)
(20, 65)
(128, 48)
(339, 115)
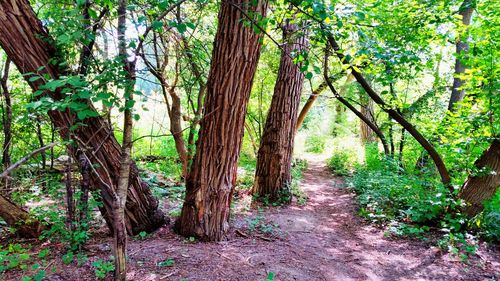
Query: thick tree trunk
(274, 160)
(210, 184)
(458, 94)
(19, 219)
(481, 187)
(95, 139)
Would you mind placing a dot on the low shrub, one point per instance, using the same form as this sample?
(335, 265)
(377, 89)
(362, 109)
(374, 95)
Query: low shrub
(342, 162)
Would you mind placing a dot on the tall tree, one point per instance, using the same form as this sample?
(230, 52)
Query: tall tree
(274, 159)
(33, 53)
(210, 184)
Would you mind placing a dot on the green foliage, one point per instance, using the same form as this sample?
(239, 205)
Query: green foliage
(342, 162)
(488, 222)
(388, 193)
(315, 143)
(167, 263)
(15, 256)
(102, 268)
(298, 166)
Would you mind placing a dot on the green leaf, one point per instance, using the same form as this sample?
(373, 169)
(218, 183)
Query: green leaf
(181, 27)
(157, 25)
(167, 262)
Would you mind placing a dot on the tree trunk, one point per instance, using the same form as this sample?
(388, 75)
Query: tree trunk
(19, 219)
(120, 196)
(367, 135)
(347, 104)
(95, 138)
(274, 160)
(462, 47)
(7, 120)
(177, 131)
(481, 187)
(309, 104)
(210, 184)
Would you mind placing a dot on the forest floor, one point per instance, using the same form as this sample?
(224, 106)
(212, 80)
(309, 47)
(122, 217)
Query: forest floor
(324, 239)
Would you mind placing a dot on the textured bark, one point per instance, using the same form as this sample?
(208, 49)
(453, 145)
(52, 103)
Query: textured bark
(19, 219)
(210, 184)
(6, 120)
(462, 47)
(479, 188)
(95, 139)
(274, 159)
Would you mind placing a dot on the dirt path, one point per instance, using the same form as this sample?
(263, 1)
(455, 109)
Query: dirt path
(323, 240)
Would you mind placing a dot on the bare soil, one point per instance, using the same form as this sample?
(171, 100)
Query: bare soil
(321, 240)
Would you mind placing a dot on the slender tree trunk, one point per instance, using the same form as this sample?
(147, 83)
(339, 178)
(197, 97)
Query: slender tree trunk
(309, 104)
(15, 217)
(84, 189)
(70, 202)
(482, 186)
(462, 47)
(274, 161)
(120, 197)
(347, 104)
(7, 120)
(252, 138)
(394, 114)
(95, 139)
(39, 135)
(401, 146)
(366, 133)
(210, 184)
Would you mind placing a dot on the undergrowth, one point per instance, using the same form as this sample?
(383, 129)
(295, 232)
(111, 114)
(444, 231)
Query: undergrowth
(411, 204)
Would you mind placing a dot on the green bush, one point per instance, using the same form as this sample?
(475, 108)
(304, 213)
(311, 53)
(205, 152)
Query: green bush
(488, 222)
(342, 162)
(387, 193)
(315, 144)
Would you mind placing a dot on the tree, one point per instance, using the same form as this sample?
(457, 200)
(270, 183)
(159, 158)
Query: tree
(210, 184)
(35, 56)
(274, 159)
(484, 183)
